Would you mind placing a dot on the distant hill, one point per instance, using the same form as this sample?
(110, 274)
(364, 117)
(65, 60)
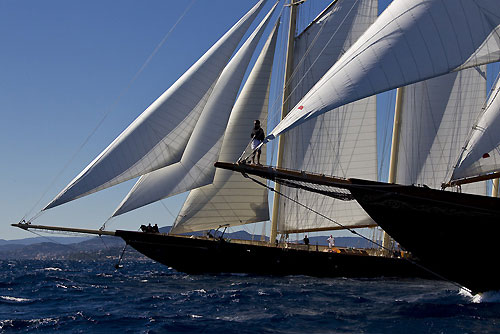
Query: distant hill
(37, 240)
(81, 248)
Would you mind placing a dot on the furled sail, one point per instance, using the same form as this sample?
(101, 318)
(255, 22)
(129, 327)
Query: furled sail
(195, 169)
(342, 142)
(437, 115)
(158, 137)
(481, 154)
(233, 199)
(411, 41)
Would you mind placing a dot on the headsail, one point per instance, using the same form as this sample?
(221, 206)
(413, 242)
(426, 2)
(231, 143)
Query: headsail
(342, 142)
(158, 137)
(437, 115)
(233, 199)
(410, 41)
(195, 169)
(481, 153)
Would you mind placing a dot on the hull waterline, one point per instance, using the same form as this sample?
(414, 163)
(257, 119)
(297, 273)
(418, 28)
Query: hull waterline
(200, 256)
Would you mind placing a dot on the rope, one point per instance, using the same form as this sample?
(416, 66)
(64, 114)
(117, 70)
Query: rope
(356, 233)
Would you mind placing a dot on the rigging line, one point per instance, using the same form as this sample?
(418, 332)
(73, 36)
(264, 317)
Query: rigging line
(111, 108)
(301, 61)
(57, 242)
(294, 73)
(357, 233)
(166, 208)
(103, 227)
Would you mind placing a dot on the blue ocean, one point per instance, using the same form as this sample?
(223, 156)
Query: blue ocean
(146, 297)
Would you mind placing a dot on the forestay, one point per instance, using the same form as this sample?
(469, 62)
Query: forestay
(158, 137)
(481, 153)
(410, 41)
(233, 199)
(195, 169)
(437, 115)
(342, 142)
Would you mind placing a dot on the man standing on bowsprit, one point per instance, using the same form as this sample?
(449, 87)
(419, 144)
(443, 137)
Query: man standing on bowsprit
(257, 138)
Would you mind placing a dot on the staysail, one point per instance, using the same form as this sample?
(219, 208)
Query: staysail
(158, 137)
(233, 199)
(481, 153)
(342, 142)
(195, 169)
(437, 115)
(411, 41)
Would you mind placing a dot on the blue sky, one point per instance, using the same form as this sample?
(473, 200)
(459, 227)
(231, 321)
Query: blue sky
(66, 64)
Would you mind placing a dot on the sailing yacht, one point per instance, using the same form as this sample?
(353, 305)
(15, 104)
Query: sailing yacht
(451, 232)
(172, 147)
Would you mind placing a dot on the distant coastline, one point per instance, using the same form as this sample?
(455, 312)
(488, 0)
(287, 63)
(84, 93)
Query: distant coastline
(94, 248)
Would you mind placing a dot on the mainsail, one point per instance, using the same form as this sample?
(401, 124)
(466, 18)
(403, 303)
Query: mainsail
(481, 154)
(233, 199)
(437, 115)
(158, 137)
(342, 142)
(411, 41)
(195, 169)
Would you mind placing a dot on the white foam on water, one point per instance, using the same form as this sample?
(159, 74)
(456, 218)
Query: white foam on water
(483, 297)
(52, 269)
(15, 299)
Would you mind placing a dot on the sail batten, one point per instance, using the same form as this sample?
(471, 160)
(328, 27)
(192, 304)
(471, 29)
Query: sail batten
(158, 137)
(195, 169)
(410, 42)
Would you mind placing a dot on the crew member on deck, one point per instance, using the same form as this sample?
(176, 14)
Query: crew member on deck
(257, 138)
(331, 241)
(306, 241)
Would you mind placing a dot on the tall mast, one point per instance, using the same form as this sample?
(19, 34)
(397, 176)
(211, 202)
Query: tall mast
(494, 188)
(284, 109)
(393, 164)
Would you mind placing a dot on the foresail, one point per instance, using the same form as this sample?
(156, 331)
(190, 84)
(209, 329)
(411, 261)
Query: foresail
(481, 153)
(342, 142)
(437, 115)
(195, 169)
(233, 199)
(411, 41)
(158, 137)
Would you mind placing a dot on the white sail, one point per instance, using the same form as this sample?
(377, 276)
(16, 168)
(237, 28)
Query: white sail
(158, 137)
(196, 169)
(410, 41)
(233, 199)
(437, 115)
(481, 153)
(342, 142)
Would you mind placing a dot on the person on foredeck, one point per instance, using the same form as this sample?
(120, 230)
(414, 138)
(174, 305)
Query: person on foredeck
(306, 241)
(331, 241)
(257, 136)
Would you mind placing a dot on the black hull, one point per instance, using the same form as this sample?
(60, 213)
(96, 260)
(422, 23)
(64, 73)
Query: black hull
(200, 256)
(453, 234)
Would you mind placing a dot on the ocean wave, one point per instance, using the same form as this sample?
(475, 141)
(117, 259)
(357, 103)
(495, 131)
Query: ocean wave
(15, 299)
(52, 269)
(484, 297)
